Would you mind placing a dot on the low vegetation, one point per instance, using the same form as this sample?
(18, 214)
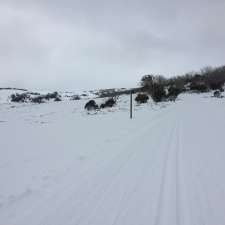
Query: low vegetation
(91, 105)
(75, 97)
(141, 98)
(35, 97)
(109, 103)
(20, 97)
(162, 89)
(156, 86)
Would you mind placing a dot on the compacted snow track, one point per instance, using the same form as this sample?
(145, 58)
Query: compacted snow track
(164, 167)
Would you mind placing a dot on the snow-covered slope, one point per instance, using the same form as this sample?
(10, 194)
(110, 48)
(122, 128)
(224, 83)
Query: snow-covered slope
(61, 166)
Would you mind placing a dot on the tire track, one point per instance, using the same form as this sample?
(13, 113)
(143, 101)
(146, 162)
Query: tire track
(148, 166)
(72, 188)
(160, 210)
(147, 162)
(173, 202)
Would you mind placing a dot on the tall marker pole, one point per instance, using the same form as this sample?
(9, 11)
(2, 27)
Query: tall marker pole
(131, 106)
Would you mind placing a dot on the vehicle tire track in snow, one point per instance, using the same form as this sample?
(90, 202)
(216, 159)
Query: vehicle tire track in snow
(70, 188)
(162, 187)
(132, 155)
(149, 166)
(146, 157)
(173, 201)
(168, 200)
(183, 204)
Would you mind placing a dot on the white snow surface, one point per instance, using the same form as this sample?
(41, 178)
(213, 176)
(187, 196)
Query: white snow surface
(61, 166)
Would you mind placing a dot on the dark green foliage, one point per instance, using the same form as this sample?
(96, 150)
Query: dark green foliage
(199, 87)
(158, 93)
(215, 85)
(155, 86)
(173, 92)
(142, 98)
(207, 79)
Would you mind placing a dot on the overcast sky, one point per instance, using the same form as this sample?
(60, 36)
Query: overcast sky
(81, 44)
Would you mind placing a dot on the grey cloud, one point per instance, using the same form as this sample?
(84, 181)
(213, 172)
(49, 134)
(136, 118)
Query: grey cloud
(90, 44)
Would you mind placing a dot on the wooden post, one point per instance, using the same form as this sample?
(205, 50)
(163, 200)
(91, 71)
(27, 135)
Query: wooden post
(131, 106)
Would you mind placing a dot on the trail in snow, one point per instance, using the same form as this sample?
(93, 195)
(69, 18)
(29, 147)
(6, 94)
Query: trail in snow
(164, 167)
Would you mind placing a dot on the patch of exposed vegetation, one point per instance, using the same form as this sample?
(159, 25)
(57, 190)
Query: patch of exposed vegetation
(141, 98)
(34, 97)
(109, 103)
(91, 105)
(163, 89)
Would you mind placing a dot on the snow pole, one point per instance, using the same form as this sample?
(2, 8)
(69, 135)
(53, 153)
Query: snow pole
(131, 107)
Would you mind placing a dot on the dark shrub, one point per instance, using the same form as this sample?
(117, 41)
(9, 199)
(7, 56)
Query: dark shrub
(91, 105)
(19, 97)
(148, 81)
(58, 99)
(206, 79)
(53, 95)
(33, 93)
(216, 85)
(109, 103)
(38, 99)
(217, 94)
(75, 97)
(173, 92)
(158, 92)
(142, 98)
(199, 87)
(171, 98)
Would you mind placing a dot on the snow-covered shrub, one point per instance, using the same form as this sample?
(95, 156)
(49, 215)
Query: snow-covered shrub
(38, 99)
(217, 94)
(53, 95)
(142, 98)
(20, 97)
(43, 98)
(58, 99)
(75, 97)
(91, 105)
(109, 103)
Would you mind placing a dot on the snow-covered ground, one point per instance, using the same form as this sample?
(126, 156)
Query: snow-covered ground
(61, 166)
